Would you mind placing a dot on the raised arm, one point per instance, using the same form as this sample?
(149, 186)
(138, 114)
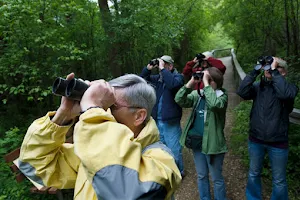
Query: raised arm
(44, 156)
(246, 89)
(283, 89)
(185, 97)
(173, 81)
(146, 74)
(214, 101)
(188, 69)
(217, 63)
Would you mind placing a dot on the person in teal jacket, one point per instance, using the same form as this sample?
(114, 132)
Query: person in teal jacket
(116, 152)
(203, 132)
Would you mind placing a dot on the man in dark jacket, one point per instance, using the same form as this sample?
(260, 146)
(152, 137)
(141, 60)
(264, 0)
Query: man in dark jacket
(166, 112)
(273, 99)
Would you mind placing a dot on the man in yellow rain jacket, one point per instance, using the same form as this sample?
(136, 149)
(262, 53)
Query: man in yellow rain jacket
(116, 155)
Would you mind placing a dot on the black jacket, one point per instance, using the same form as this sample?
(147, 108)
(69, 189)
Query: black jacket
(272, 102)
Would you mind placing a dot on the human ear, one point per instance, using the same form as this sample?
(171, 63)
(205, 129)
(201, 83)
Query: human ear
(213, 84)
(140, 116)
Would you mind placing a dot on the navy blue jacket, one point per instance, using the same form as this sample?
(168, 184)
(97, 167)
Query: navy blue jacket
(171, 82)
(272, 102)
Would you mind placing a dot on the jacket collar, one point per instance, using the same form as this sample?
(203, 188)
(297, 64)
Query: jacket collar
(149, 134)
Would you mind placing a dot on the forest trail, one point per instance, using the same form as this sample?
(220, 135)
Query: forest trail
(233, 171)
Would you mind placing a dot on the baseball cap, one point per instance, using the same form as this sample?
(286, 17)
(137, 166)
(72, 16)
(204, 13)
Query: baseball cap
(208, 54)
(167, 59)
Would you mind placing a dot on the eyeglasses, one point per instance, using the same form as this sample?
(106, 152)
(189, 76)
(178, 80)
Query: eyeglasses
(118, 106)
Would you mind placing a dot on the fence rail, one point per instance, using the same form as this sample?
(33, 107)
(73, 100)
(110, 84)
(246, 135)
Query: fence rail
(239, 75)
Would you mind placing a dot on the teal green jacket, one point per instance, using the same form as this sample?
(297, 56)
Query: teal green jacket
(213, 136)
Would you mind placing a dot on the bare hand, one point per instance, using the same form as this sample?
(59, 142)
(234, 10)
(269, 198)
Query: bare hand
(68, 108)
(206, 78)
(161, 64)
(150, 67)
(192, 82)
(100, 93)
(274, 63)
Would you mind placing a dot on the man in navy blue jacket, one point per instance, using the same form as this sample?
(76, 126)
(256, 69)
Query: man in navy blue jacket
(166, 112)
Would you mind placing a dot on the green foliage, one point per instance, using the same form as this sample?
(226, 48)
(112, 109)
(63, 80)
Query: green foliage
(294, 77)
(297, 101)
(242, 113)
(240, 130)
(11, 140)
(9, 188)
(255, 33)
(293, 167)
(40, 41)
(217, 39)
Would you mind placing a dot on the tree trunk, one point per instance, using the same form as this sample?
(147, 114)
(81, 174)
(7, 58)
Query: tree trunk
(295, 28)
(287, 31)
(112, 48)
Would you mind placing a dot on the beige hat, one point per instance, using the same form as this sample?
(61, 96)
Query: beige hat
(167, 59)
(208, 54)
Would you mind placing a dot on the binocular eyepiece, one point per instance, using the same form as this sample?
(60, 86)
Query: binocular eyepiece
(154, 62)
(73, 89)
(264, 62)
(200, 57)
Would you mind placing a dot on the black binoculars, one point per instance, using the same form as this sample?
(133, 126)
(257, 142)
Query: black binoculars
(73, 89)
(200, 57)
(198, 75)
(264, 62)
(154, 62)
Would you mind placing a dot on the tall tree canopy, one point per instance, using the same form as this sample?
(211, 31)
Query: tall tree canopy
(41, 40)
(263, 27)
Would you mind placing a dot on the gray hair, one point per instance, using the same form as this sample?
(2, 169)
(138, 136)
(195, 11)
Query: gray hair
(137, 92)
(282, 63)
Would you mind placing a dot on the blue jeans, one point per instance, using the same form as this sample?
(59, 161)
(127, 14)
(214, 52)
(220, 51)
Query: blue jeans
(278, 159)
(169, 133)
(212, 164)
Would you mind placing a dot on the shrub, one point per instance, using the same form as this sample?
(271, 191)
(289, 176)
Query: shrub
(9, 188)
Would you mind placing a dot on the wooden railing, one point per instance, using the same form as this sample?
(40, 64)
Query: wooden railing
(239, 75)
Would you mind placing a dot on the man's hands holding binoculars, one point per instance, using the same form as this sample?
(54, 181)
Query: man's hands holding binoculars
(100, 93)
(267, 63)
(156, 63)
(94, 94)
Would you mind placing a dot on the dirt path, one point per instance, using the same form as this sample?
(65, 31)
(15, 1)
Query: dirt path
(234, 173)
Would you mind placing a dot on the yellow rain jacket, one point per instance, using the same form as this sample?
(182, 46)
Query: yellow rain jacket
(105, 161)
